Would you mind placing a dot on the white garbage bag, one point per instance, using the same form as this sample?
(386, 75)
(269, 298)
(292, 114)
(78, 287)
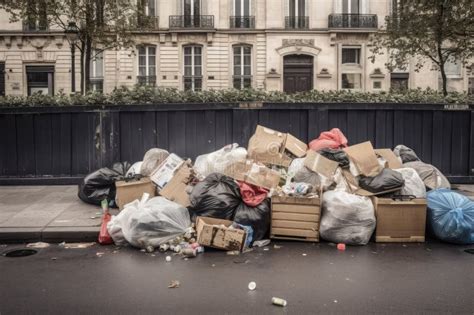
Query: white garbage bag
(149, 223)
(134, 170)
(218, 161)
(414, 185)
(152, 160)
(347, 218)
(431, 176)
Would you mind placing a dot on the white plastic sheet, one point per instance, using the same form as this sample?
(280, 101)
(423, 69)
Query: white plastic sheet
(149, 223)
(347, 218)
(414, 185)
(218, 161)
(134, 170)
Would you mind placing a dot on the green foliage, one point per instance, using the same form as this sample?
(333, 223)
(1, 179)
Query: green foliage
(142, 95)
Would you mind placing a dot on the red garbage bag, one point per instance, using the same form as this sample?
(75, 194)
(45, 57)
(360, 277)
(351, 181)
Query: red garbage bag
(104, 236)
(333, 139)
(252, 195)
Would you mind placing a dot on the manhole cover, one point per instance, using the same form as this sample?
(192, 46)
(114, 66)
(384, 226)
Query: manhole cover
(20, 253)
(470, 251)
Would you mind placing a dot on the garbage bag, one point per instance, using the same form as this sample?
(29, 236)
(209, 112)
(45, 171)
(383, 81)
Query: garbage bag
(152, 159)
(134, 170)
(347, 218)
(388, 179)
(431, 176)
(451, 216)
(100, 184)
(333, 139)
(414, 186)
(301, 174)
(406, 154)
(336, 155)
(149, 223)
(216, 196)
(218, 161)
(257, 217)
(251, 194)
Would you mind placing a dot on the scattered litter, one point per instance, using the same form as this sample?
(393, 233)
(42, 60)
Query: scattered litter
(77, 245)
(266, 248)
(252, 286)
(233, 253)
(278, 247)
(100, 254)
(279, 302)
(168, 258)
(143, 250)
(261, 243)
(37, 245)
(150, 249)
(189, 253)
(213, 265)
(115, 252)
(404, 245)
(54, 258)
(335, 301)
(341, 247)
(174, 284)
(428, 249)
(153, 255)
(241, 261)
(92, 218)
(304, 254)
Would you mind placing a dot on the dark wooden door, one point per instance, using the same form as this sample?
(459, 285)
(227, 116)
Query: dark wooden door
(298, 73)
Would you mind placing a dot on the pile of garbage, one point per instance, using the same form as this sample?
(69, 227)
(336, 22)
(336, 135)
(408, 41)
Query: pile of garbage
(278, 188)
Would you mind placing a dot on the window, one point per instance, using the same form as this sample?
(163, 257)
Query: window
(470, 88)
(2, 79)
(40, 79)
(377, 85)
(97, 71)
(399, 81)
(352, 81)
(242, 18)
(147, 13)
(193, 68)
(351, 56)
(453, 67)
(37, 19)
(297, 14)
(242, 7)
(351, 6)
(192, 13)
(242, 67)
(147, 65)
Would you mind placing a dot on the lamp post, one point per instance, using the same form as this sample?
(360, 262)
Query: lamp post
(72, 34)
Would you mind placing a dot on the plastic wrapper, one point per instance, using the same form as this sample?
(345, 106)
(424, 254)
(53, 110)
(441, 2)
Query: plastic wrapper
(406, 154)
(387, 180)
(104, 236)
(134, 170)
(347, 218)
(336, 155)
(218, 161)
(414, 186)
(451, 216)
(216, 197)
(333, 139)
(152, 160)
(251, 194)
(430, 175)
(100, 184)
(149, 223)
(257, 217)
(299, 173)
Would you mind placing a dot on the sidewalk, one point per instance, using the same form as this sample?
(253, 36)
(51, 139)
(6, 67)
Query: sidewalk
(55, 214)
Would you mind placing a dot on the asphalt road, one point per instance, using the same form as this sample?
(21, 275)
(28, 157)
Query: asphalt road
(379, 279)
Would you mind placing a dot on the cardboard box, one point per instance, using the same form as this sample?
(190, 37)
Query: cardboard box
(172, 179)
(295, 218)
(392, 160)
(272, 147)
(216, 233)
(320, 164)
(400, 220)
(253, 173)
(128, 191)
(364, 157)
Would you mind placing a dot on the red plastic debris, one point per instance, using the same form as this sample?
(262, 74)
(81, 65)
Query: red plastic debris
(333, 139)
(251, 194)
(104, 236)
(341, 247)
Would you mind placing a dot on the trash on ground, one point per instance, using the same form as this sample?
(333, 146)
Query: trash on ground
(168, 258)
(279, 302)
(233, 253)
(100, 254)
(252, 286)
(261, 243)
(77, 245)
(174, 284)
(38, 245)
(341, 246)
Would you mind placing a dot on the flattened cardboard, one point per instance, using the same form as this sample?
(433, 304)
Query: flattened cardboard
(175, 189)
(390, 157)
(133, 190)
(253, 173)
(165, 172)
(295, 146)
(320, 164)
(364, 157)
(215, 233)
(400, 221)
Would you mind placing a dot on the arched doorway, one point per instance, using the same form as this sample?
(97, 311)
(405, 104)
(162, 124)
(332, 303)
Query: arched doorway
(297, 73)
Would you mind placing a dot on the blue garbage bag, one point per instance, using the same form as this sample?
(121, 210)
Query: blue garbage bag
(451, 216)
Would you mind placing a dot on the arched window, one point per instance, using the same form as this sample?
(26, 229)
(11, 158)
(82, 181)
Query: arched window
(192, 68)
(242, 66)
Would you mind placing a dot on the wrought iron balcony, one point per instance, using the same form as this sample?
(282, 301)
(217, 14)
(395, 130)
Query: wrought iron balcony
(296, 22)
(353, 21)
(146, 80)
(147, 23)
(242, 22)
(35, 26)
(192, 21)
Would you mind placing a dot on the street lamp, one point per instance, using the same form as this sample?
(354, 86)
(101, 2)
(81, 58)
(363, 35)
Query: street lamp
(72, 34)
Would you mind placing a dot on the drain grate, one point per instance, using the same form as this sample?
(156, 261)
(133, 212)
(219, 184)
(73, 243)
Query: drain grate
(20, 253)
(470, 251)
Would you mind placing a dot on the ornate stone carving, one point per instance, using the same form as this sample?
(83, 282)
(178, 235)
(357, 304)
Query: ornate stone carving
(297, 42)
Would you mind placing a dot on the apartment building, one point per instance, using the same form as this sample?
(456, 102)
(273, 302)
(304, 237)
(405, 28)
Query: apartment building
(281, 45)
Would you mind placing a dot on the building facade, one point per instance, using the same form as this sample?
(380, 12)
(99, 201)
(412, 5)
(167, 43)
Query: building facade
(281, 45)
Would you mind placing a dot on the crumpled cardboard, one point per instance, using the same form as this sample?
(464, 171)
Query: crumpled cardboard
(364, 157)
(392, 160)
(272, 147)
(320, 164)
(216, 233)
(128, 191)
(253, 173)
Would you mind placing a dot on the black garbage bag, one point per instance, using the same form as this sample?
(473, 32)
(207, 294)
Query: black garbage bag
(406, 154)
(100, 184)
(217, 197)
(388, 179)
(257, 217)
(336, 155)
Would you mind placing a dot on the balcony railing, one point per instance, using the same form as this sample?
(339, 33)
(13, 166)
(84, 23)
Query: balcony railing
(296, 22)
(353, 21)
(147, 23)
(192, 21)
(146, 80)
(34, 26)
(242, 22)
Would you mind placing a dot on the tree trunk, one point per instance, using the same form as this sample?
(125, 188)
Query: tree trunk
(83, 53)
(87, 64)
(439, 43)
